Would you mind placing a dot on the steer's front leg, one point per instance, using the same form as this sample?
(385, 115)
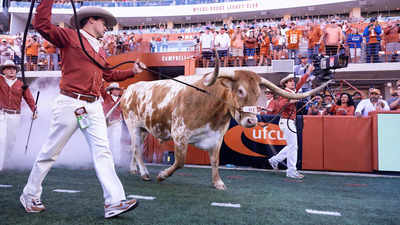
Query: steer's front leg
(180, 156)
(214, 160)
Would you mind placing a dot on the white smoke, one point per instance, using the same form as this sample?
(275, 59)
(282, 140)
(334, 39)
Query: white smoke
(75, 154)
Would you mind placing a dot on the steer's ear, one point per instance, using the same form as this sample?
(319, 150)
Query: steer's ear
(227, 82)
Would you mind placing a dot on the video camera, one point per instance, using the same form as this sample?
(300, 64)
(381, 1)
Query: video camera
(324, 64)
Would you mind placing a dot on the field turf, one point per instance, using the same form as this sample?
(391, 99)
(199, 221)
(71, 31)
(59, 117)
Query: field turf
(265, 198)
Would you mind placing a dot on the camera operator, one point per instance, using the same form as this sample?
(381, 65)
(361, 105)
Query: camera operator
(392, 39)
(288, 126)
(372, 33)
(300, 71)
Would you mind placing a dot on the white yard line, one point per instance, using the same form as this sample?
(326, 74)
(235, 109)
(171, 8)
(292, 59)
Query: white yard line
(5, 185)
(141, 197)
(327, 213)
(225, 204)
(66, 191)
(284, 171)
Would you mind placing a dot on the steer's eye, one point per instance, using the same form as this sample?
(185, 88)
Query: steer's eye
(241, 92)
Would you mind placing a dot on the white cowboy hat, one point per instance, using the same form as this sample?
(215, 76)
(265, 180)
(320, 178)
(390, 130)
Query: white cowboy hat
(289, 76)
(91, 11)
(113, 85)
(9, 63)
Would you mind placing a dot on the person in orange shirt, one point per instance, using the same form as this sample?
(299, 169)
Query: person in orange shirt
(51, 54)
(293, 40)
(344, 106)
(264, 41)
(372, 33)
(314, 35)
(32, 52)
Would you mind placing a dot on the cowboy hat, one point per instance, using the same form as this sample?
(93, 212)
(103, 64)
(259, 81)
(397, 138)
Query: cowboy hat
(288, 77)
(92, 11)
(374, 90)
(9, 63)
(113, 85)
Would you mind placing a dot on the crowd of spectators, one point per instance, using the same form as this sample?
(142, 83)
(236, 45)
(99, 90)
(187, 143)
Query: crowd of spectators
(339, 102)
(241, 43)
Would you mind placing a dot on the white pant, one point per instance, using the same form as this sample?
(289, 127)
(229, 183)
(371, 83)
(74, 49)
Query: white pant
(9, 124)
(289, 152)
(114, 136)
(62, 126)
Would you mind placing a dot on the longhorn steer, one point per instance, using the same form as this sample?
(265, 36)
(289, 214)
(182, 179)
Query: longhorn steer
(171, 110)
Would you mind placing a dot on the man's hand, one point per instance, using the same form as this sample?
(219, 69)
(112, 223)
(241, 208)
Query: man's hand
(138, 67)
(35, 115)
(310, 69)
(293, 100)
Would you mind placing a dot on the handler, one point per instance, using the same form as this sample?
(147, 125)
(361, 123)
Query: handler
(11, 94)
(78, 105)
(288, 127)
(111, 96)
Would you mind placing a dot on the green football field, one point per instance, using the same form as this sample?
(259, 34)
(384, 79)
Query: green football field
(260, 196)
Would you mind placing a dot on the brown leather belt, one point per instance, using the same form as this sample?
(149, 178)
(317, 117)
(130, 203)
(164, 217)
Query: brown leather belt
(88, 98)
(10, 111)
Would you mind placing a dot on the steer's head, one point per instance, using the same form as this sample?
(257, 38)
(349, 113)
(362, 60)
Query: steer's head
(244, 90)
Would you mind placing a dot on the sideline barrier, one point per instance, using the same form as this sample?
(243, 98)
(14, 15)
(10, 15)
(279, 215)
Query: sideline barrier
(337, 143)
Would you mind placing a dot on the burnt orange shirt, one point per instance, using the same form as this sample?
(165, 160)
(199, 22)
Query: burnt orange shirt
(49, 48)
(293, 39)
(32, 49)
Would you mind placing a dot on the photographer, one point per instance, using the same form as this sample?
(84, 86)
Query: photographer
(372, 34)
(315, 107)
(392, 39)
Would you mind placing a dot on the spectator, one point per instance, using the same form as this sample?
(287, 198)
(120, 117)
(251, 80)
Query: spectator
(238, 38)
(250, 45)
(373, 103)
(394, 102)
(206, 46)
(372, 34)
(316, 107)
(329, 104)
(332, 38)
(164, 43)
(5, 51)
(223, 43)
(16, 48)
(344, 106)
(392, 32)
(264, 41)
(32, 52)
(357, 97)
(293, 40)
(354, 41)
(314, 36)
(51, 55)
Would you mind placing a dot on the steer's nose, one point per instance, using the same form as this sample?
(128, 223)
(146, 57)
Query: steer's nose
(251, 121)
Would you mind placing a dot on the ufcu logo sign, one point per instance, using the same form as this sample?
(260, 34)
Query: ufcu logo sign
(241, 139)
(267, 134)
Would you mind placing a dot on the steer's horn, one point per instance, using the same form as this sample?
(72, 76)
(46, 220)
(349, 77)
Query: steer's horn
(289, 95)
(211, 78)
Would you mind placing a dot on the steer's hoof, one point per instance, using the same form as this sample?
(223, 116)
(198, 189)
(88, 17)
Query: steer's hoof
(220, 186)
(146, 177)
(160, 178)
(133, 172)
